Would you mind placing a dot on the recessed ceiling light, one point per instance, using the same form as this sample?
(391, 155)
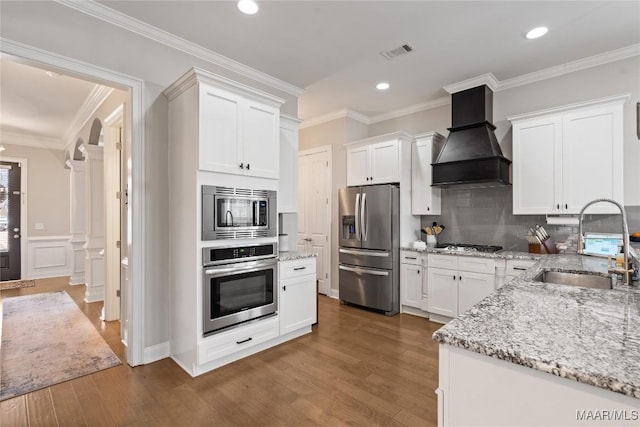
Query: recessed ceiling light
(52, 74)
(382, 86)
(537, 32)
(249, 7)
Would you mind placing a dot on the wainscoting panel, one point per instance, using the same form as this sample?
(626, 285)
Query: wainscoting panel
(48, 256)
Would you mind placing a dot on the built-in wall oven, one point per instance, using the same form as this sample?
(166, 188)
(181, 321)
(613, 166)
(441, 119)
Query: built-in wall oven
(239, 285)
(238, 213)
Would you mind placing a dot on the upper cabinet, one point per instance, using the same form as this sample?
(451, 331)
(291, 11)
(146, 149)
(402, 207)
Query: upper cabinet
(568, 156)
(288, 183)
(425, 199)
(237, 128)
(375, 160)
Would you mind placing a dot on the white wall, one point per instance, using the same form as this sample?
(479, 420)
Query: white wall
(56, 28)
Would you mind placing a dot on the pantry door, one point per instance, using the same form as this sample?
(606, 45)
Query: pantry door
(314, 210)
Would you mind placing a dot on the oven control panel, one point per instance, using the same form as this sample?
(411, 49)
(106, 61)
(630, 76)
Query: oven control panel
(225, 255)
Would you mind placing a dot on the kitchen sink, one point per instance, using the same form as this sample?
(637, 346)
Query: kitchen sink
(585, 280)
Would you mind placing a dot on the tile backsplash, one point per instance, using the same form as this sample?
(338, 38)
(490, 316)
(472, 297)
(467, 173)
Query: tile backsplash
(485, 216)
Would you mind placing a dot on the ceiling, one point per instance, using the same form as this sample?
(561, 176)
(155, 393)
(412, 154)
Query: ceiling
(331, 49)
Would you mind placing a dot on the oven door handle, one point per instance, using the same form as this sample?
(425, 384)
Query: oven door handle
(239, 268)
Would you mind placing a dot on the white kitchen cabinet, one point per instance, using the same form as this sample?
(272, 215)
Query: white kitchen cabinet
(568, 156)
(238, 135)
(297, 294)
(288, 182)
(411, 278)
(425, 199)
(456, 283)
(373, 163)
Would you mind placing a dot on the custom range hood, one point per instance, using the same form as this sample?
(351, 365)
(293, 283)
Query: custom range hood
(471, 155)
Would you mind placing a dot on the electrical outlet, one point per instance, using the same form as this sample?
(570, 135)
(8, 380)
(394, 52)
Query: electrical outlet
(39, 226)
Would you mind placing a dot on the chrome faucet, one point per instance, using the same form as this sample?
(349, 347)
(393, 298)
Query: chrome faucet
(627, 266)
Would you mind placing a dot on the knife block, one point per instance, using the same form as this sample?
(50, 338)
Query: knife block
(548, 246)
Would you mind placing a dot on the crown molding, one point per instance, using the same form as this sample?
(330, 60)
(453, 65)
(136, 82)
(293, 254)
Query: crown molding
(340, 114)
(616, 99)
(195, 75)
(31, 140)
(111, 16)
(440, 102)
(94, 100)
(485, 79)
(570, 67)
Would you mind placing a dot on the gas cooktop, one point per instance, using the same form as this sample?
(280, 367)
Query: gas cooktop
(467, 247)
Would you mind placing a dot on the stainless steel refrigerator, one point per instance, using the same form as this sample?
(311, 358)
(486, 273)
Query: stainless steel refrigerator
(369, 253)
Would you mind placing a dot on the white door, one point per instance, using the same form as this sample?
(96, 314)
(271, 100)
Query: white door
(589, 169)
(537, 166)
(442, 288)
(358, 166)
(384, 163)
(314, 213)
(220, 131)
(411, 282)
(261, 128)
(473, 287)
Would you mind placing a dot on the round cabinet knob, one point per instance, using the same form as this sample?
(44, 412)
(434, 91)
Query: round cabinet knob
(241, 165)
(248, 166)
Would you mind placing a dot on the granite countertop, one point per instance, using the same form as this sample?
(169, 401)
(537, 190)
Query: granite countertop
(293, 255)
(499, 254)
(588, 335)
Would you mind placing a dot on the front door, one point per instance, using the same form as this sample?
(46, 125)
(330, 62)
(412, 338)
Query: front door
(10, 228)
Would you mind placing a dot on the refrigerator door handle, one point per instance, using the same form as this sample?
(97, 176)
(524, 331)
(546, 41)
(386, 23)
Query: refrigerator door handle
(363, 219)
(365, 253)
(357, 210)
(364, 271)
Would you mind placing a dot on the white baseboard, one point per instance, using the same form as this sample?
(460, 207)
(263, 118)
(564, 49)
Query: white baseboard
(157, 352)
(48, 256)
(334, 293)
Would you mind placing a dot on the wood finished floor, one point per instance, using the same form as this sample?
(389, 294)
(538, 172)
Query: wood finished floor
(355, 368)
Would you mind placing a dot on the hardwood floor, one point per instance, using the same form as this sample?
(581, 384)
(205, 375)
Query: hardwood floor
(355, 368)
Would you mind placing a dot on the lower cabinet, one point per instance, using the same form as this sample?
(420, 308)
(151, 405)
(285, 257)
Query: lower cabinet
(297, 294)
(413, 283)
(456, 283)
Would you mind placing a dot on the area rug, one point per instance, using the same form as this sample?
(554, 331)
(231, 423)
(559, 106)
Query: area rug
(15, 284)
(46, 340)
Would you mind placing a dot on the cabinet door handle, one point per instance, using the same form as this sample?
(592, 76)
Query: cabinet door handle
(428, 208)
(558, 206)
(459, 277)
(248, 166)
(454, 277)
(418, 271)
(566, 206)
(244, 341)
(410, 257)
(519, 268)
(299, 268)
(284, 288)
(241, 165)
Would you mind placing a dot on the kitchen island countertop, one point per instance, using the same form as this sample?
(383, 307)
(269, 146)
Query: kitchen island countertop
(589, 335)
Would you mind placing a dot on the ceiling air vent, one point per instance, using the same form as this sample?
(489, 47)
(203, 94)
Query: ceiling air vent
(404, 49)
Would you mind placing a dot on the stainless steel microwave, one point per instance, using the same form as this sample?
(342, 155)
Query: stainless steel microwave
(238, 213)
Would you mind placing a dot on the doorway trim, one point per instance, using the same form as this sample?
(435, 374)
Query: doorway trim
(24, 200)
(136, 238)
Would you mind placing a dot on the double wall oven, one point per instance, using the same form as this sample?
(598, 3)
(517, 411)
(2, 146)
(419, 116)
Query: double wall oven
(239, 284)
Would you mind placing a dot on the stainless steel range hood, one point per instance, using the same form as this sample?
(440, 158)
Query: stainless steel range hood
(471, 155)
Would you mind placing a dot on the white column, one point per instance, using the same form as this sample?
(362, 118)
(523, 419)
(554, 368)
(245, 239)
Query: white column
(77, 240)
(94, 222)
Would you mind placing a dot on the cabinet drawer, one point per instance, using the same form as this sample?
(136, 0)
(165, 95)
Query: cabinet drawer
(297, 267)
(237, 339)
(516, 267)
(410, 257)
(477, 265)
(449, 262)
